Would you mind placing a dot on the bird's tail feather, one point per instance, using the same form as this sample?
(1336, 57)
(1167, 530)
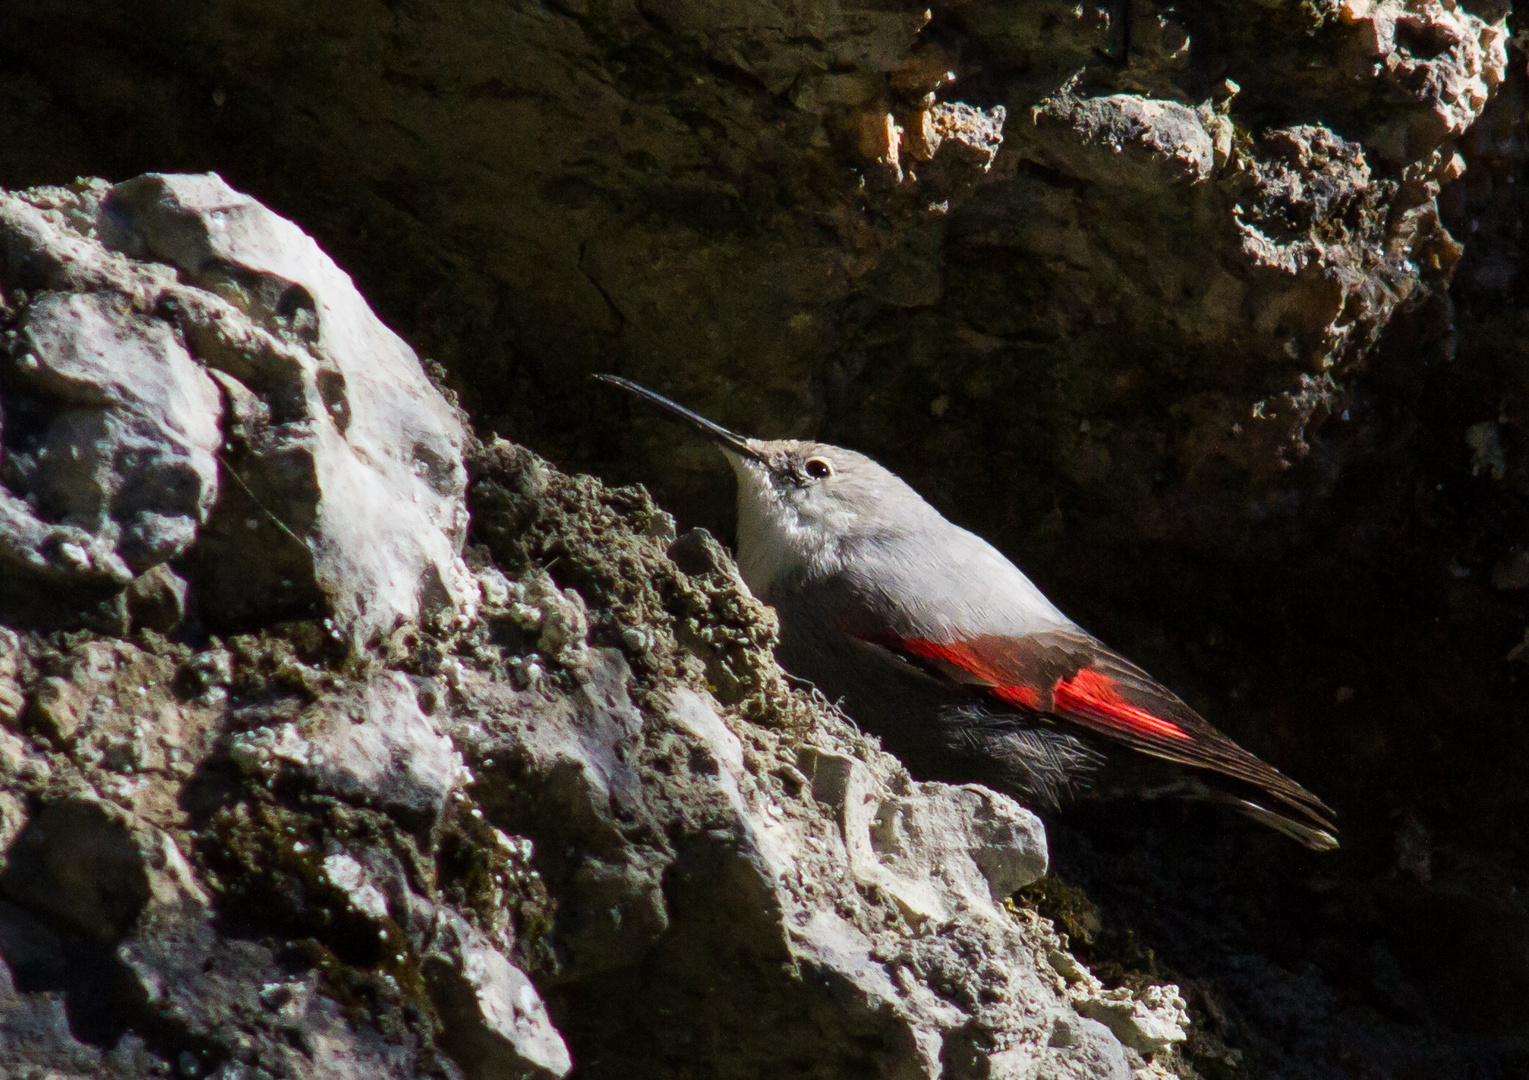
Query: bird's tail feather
(1316, 834)
(1314, 838)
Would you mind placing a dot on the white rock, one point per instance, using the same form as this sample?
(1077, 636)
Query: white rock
(495, 1022)
(123, 472)
(374, 745)
(381, 445)
(319, 467)
(1146, 1022)
(1082, 1049)
(350, 877)
(944, 849)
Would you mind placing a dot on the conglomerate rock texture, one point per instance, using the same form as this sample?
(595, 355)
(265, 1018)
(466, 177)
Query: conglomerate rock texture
(1209, 313)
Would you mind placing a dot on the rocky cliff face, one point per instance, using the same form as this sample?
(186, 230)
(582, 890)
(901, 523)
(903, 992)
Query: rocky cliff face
(497, 827)
(1207, 313)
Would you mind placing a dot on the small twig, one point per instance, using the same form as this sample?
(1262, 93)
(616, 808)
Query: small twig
(280, 524)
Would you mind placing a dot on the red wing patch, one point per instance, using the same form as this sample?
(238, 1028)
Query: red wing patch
(1025, 696)
(1089, 694)
(1073, 677)
(1094, 695)
(962, 655)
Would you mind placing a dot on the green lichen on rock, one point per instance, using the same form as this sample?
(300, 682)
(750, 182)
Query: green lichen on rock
(613, 547)
(594, 811)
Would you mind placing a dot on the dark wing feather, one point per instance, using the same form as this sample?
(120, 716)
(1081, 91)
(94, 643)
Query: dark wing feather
(1039, 762)
(1074, 677)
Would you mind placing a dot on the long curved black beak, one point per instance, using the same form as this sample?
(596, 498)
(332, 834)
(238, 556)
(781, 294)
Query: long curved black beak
(715, 432)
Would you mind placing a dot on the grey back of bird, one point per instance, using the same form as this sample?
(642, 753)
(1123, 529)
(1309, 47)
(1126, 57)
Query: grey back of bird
(874, 560)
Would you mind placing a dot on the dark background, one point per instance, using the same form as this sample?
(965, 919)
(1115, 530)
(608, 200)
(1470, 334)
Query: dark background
(530, 193)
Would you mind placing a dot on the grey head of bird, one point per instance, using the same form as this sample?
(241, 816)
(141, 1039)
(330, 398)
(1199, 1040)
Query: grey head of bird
(803, 506)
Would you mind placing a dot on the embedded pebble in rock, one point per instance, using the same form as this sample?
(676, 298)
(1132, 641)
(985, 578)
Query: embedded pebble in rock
(495, 1021)
(372, 744)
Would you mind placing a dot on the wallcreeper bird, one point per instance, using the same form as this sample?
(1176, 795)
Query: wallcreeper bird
(934, 641)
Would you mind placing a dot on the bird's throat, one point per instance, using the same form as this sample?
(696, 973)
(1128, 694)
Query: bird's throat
(775, 541)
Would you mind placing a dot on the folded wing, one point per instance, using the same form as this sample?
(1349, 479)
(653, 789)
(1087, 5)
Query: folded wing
(1073, 677)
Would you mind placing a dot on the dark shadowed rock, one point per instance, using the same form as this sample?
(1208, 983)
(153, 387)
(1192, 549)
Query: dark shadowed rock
(94, 867)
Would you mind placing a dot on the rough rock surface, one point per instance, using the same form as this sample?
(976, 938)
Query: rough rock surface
(587, 823)
(593, 828)
(199, 408)
(1237, 414)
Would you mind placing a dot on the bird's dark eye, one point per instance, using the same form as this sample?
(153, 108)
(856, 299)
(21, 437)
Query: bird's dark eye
(817, 467)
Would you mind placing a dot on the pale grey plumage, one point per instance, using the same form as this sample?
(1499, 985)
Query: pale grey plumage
(859, 548)
(935, 641)
(863, 532)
